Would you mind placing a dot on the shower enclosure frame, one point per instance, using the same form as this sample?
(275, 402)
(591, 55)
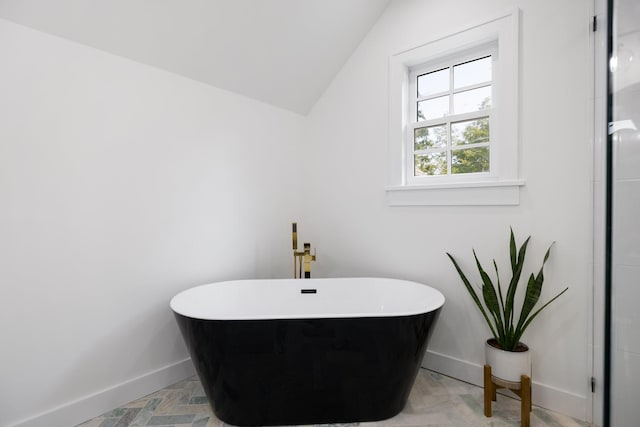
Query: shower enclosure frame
(619, 349)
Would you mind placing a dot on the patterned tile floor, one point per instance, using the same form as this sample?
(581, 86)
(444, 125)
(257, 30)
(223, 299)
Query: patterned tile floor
(436, 400)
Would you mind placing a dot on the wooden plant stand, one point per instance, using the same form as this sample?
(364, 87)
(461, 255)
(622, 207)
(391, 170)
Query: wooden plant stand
(522, 389)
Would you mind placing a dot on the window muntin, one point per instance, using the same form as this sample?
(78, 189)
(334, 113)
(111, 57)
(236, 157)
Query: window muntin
(450, 117)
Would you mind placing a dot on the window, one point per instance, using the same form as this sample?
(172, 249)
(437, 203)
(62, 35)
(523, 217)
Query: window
(454, 119)
(449, 124)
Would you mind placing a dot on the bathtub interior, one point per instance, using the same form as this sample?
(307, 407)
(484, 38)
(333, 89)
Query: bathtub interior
(310, 298)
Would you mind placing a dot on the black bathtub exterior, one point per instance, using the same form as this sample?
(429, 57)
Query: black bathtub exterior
(307, 371)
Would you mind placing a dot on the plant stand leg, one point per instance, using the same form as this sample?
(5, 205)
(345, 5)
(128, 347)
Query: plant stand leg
(522, 389)
(525, 396)
(489, 391)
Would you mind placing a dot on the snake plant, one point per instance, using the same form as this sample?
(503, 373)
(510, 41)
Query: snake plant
(498, 311)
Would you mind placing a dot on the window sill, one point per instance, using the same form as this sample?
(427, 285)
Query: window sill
(495, 193)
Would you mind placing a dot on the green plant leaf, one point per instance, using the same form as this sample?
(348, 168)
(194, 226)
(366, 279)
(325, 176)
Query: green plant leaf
(512, 249)
(532, 295)
(473, 294)
(516, 270)
(495, 266)
(490, 298)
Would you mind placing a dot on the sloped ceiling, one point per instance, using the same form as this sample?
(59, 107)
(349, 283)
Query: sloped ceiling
(282, 52)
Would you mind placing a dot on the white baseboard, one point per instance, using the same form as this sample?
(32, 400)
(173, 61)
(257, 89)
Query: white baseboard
(92, 405)
(543, 395)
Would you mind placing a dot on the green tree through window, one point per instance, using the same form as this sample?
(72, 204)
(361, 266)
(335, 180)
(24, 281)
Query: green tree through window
(466, 155)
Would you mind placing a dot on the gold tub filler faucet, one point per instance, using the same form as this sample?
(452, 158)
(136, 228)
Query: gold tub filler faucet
(301, 258)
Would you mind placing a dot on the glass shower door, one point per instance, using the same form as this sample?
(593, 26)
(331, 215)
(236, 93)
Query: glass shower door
(625, 217)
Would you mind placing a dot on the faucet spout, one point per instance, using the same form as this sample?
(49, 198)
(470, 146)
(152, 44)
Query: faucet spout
(301, 258)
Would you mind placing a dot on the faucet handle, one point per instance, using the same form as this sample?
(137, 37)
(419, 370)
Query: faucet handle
(294, 235)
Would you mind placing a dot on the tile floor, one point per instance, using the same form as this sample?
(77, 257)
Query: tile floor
(436, 400)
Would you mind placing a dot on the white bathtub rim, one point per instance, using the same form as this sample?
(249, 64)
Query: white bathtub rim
(271, 299)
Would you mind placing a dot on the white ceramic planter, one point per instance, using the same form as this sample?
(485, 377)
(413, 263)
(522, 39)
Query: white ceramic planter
(508, 365)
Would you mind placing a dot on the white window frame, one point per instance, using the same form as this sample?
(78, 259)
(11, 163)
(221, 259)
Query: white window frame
(502, 184)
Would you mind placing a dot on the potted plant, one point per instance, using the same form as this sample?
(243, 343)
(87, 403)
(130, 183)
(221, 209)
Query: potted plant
(507, 356)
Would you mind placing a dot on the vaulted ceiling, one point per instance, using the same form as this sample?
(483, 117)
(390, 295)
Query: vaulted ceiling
(282, 52)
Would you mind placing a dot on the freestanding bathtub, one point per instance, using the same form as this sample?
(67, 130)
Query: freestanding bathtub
(281, 352)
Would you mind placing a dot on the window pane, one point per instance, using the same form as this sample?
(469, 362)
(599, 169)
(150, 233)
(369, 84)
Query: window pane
(430, 164)
(470, 160)
(433, 108)
(434, 82)
(472, 72)
(472, 100)
(429, 137)
(470, 131)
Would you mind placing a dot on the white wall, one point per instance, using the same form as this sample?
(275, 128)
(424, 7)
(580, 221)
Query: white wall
(121, 185)
(358, 234)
